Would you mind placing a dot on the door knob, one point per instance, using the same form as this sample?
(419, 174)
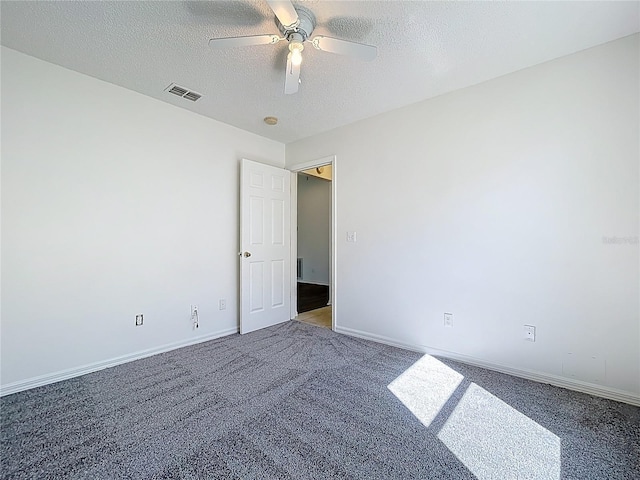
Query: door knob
(247, 254)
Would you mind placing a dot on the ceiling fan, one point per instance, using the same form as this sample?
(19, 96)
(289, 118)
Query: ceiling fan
(296, 25)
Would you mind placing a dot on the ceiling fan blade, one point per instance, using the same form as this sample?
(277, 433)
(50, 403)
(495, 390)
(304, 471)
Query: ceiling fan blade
(244, 41)
(345, 47)
(292, 77)
(285, 12)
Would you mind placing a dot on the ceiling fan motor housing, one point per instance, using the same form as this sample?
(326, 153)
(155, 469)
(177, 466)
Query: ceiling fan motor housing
(303, 30)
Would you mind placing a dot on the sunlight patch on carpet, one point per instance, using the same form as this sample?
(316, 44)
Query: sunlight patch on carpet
(425, 387)
(494, 440)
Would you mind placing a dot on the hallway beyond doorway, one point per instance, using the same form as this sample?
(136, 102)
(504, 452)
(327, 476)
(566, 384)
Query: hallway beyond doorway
(320, 317)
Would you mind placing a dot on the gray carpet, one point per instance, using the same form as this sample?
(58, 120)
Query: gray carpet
(298, 401)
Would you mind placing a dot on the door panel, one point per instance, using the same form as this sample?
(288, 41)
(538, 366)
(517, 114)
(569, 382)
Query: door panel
(277, 282)
(265, 242)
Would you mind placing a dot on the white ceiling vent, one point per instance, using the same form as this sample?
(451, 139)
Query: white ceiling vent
(182, 92)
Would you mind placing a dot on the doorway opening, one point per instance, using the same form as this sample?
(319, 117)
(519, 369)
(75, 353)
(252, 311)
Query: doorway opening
(312, 243)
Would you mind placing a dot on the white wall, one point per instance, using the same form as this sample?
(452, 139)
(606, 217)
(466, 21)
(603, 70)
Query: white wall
(492, 202)
(314, 227)
(113, 204)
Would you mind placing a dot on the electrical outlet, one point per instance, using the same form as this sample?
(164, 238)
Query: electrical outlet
(352, 237)
(139, 320)
(448, 319)
(222, 304)
(530, 333)
(194, 316)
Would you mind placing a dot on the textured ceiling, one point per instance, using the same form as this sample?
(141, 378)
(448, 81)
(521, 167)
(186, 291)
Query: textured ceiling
(424, 49)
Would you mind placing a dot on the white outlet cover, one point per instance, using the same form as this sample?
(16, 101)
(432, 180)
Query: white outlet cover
(448, 319)
(529, 333)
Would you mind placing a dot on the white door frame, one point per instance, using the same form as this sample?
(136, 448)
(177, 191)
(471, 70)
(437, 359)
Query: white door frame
(330, 160)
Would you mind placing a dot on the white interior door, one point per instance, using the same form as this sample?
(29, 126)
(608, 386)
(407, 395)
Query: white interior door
(265, 244)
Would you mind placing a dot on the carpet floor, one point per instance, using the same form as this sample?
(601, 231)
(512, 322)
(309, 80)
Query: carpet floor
(296, 401)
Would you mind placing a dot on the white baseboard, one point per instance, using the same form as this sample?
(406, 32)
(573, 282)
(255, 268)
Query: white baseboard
(378, 338)
(558, 381)
(94, 367)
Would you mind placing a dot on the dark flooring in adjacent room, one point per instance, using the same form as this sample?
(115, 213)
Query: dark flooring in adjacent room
(295, 401)
(311, 296)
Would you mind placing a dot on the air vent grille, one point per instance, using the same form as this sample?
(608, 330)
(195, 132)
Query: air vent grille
(176, 90)
(183, 92)
(193, 96)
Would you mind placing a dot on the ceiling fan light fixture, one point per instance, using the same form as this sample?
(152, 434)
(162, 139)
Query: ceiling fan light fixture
(296, 48)
(296, 24)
